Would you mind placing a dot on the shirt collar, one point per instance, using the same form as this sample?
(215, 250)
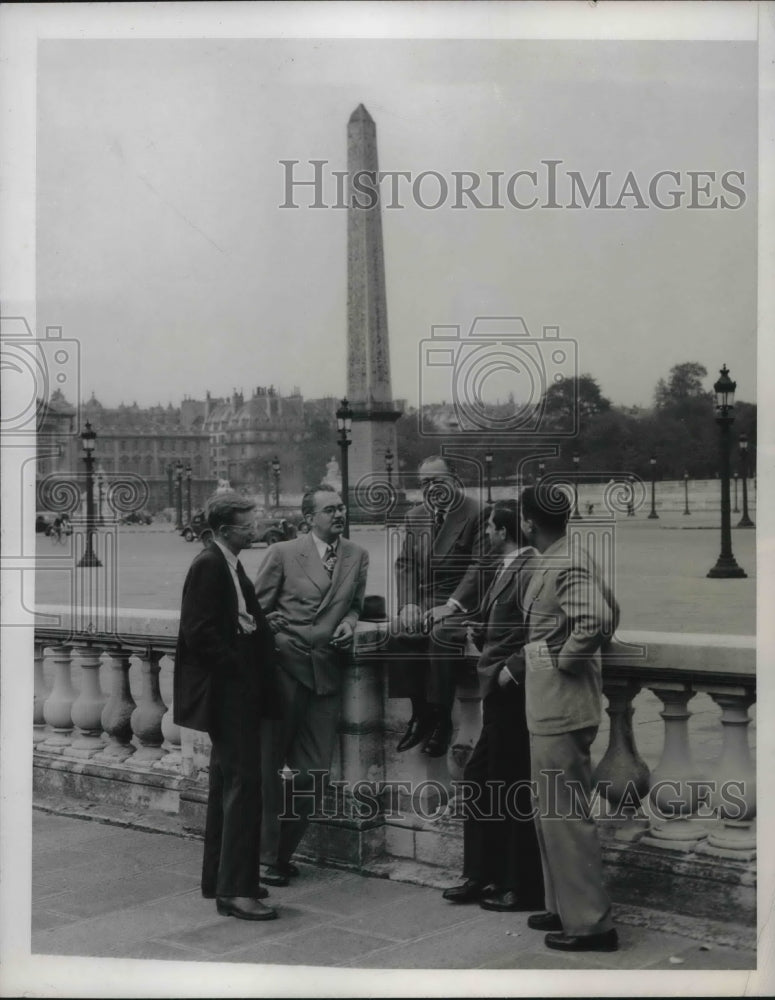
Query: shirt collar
(231, 559)
(322, 546)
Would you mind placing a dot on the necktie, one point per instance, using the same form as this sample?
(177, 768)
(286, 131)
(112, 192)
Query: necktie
(245, 585)
(438, 520)
(245, 618)
(329, 560)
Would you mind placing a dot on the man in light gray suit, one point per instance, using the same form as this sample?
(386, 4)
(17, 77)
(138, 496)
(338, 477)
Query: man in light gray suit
(571, 614)
(311, 589)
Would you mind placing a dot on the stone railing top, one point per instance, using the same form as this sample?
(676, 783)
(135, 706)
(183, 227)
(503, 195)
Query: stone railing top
(630, 652)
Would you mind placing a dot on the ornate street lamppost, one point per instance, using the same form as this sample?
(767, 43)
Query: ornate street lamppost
(488, 467)
(188, 493)
(653, 462)
(576, 515)
(88, 442)
(170, 494)
(745, 521)
(686, 493)
(179, 478)
(276, 476)
(389, 467)
(344, 423)
(726, 565)
(735, 509)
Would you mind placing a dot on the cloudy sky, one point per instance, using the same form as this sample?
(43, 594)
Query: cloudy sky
(161, 245)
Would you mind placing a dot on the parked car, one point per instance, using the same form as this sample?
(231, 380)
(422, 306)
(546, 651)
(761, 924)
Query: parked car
(278, 524)
(136, 517)
(197, 527)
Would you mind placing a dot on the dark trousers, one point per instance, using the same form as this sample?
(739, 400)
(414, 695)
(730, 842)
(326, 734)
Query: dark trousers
(230, 866)
(500, 844)
(428, 668)
(304, 739)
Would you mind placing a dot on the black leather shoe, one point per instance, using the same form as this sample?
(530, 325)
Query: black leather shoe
(276, 875)
(545, 921)
(506, 901)
(244, 908)
(469, 892)
(261, 894)
(437, 743)
(420, 726)
(607, 941)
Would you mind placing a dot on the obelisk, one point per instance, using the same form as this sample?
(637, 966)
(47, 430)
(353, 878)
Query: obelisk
(368, 351)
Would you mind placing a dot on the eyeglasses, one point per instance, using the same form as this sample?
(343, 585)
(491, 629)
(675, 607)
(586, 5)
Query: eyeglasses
(332, 509)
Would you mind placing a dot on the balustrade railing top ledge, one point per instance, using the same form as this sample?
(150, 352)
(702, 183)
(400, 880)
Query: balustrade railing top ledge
(636, 652)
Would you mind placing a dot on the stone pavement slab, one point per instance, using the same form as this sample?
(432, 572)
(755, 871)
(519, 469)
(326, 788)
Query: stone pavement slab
(138, 896)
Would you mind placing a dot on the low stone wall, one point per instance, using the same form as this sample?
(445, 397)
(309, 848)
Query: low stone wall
(389, 813)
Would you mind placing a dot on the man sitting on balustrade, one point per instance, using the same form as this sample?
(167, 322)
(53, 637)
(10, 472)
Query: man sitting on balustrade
(223, 685)
(438, 575)
(571, 614)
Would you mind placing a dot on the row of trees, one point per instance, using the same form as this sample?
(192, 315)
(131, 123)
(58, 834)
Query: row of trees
(680, 431)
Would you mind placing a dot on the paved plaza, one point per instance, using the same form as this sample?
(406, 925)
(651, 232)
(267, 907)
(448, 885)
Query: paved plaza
(660, 568)
(107, 891)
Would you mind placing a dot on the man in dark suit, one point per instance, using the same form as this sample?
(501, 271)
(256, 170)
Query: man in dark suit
(222, 685)
(500, 847)
(312, 589)
(438, 579)
(571, 614)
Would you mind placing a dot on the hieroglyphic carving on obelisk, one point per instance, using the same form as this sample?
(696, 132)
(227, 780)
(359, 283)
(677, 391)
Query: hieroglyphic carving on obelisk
(368, 352)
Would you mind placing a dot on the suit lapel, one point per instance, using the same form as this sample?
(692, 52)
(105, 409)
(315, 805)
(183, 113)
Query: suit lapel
(310, 562)
(453, 525)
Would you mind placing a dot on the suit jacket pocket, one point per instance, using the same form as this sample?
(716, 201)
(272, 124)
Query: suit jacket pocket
(549, 694)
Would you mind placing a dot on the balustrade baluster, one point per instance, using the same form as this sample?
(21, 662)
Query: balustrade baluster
(87, 707)
(57, 707)
(173, 757)
(39, 698)
(735, 777)
(622, 775)
(118, 709)
(675, 793)
(146, 718)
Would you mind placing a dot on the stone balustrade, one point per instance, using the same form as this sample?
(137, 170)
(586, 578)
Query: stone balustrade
(109, 737)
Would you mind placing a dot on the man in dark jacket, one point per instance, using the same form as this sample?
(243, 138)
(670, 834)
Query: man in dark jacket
(222, 685)
(501, 857)
(438, 582)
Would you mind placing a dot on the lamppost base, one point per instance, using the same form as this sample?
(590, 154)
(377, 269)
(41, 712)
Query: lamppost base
(727, 569)
(687, 512)
(88, 559)
(653, 516)
(745, 522)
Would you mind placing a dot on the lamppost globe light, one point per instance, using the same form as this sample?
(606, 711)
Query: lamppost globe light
(724, 388)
